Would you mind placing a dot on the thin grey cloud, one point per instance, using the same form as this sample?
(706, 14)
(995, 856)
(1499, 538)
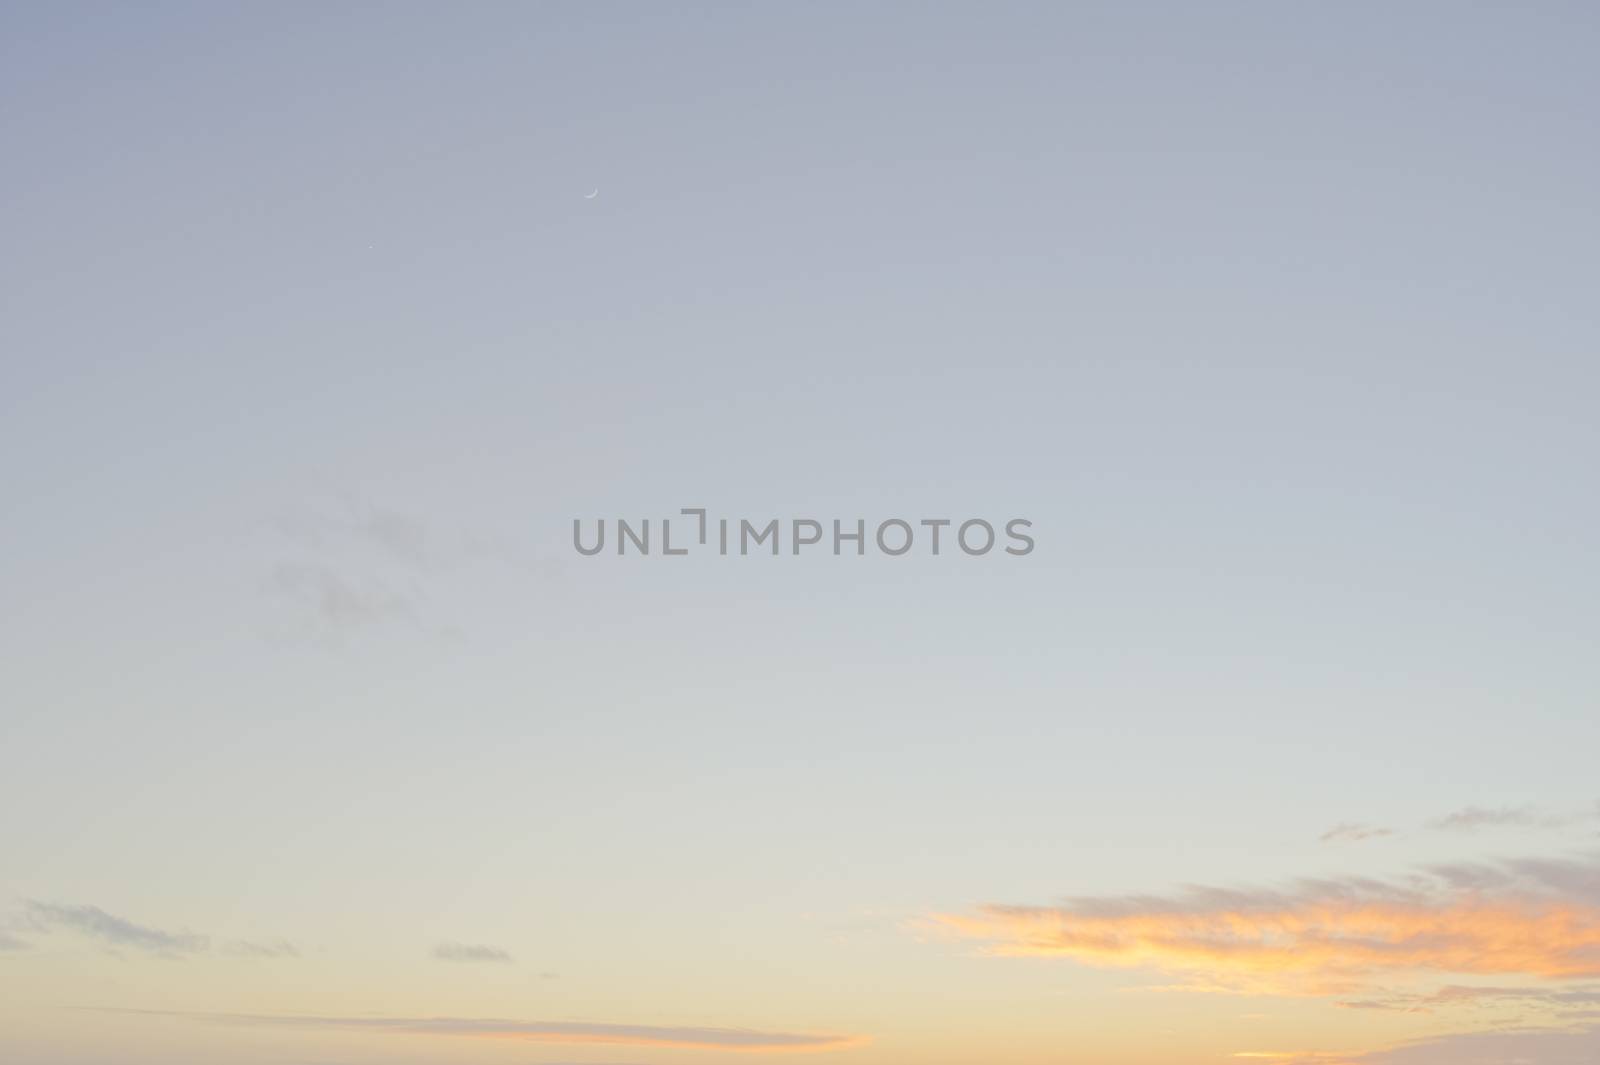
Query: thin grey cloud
(352, 567)
(731, 1039)
(357, 526)
(1519, 1045)
(340, 602)
(276, 948)
(380, 536)
(1573, 879)
(1572, 996)
(1354, 832)
(1382, 1006)
(470, 952)
(114, 931)
(119, 933)
(1473, 818)
(10, 942)
(1472, 996)
(1539, 1046)
(400, 535)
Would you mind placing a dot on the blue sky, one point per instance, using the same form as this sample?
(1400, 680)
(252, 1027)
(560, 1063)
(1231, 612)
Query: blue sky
(1277, 323)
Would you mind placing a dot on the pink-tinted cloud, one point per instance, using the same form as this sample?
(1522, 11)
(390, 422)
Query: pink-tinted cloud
(1351, 832)
(744, 1040)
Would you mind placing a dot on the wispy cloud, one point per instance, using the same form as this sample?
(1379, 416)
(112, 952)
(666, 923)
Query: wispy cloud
(1515, 1046)
(276, 948)
(469, 952)
(339, 601)
(1535, 918)
(1381, 1006)
(402, 535)
(348, 568)
(1548, 1046)
(1352, 832)
(354, 525)
(119, 933)
(1473, 818)
(353, 569)
(114, 931)
(10, 942)
(1561, 999)
(729, 1039)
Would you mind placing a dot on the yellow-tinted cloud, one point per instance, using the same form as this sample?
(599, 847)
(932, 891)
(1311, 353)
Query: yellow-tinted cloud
(1529, 919)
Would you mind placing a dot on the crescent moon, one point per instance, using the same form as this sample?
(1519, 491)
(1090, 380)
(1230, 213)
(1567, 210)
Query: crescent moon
(592, 195)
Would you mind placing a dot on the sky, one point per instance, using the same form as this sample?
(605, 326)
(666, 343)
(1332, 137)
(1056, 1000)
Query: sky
(321, 325)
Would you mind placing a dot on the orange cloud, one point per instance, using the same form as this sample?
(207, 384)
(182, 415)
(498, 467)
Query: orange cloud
(1530, 919)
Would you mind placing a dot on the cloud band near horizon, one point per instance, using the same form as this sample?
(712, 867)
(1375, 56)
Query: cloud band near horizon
(739, 1040)
(1537, 919)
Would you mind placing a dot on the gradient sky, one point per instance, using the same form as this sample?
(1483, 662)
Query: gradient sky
(319, 745)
